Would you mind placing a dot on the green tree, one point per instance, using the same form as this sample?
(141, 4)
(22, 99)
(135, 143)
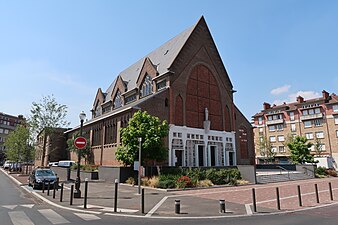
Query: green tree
(318, 146)
(47, 115)
(18, 145)
(85, 153)
(265, 149)
(151, 130)
(300, 150)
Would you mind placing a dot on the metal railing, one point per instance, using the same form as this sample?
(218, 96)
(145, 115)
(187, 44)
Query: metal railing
(282, 168)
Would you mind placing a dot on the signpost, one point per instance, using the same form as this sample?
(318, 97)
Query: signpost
(80, 142)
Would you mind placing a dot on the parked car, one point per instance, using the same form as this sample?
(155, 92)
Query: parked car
(66, 163)
(41, 175)
(53, 164)
(7, 164)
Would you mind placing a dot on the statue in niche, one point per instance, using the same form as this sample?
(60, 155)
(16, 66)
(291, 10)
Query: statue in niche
(206, 111)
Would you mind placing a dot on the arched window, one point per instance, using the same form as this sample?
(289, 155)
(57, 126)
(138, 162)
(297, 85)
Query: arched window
(146, 87)
(117, 100)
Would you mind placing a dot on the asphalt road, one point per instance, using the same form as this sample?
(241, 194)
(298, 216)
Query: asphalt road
(18, 207)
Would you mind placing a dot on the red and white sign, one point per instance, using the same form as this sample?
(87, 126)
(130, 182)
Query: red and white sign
(80, 142)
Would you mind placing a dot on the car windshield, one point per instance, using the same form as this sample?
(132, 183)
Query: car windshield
(45, 173)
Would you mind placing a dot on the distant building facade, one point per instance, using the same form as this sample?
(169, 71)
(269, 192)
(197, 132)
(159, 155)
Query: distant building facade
(316, 119)
(8, 123)
(55, 150)
(184, 82)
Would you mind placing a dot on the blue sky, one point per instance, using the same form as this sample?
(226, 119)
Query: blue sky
(273, 50)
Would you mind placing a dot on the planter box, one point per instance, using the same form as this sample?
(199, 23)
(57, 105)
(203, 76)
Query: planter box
(109, 173)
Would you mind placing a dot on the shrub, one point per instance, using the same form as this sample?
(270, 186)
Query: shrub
(150, 182)
(204, 183)
(320, 171)
(166, 184)
(130, 180)
(183, 182)
(331, 172)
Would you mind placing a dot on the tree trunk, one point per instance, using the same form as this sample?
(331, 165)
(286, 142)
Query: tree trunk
(44, 148)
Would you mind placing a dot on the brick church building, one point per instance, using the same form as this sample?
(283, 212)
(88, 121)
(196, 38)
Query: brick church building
(185, 82)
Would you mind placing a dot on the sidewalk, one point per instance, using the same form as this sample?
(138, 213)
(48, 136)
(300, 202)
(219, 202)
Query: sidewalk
(195, 203)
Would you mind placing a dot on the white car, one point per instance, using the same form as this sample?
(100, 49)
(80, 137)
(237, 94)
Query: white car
(7, 164)
(53, 164)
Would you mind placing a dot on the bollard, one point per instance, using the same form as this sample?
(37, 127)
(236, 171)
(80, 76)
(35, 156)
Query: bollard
(177, 206)
(57, 183)
(330, 189)
(317, 194)
(254, 200)
(43, 186)
(85, 194)
(142, 201)
(54, 189)
(278, 199)
(116, 190)
(71, 194)
(221, 206)
(299, 196)
(61, 193)
(48, 189)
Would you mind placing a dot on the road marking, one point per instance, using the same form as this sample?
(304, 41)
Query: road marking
(248, 209)
(52, 216)
(20, 218)
(28, 205)
(10, 206)
(109, 209)
(158, 205)
(87, 217)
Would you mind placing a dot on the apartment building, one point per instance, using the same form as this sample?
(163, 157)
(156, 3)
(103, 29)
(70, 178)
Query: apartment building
(8, 123)
(185, 82)
(317, 119)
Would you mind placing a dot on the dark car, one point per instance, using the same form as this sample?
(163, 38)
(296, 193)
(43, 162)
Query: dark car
(40, 176)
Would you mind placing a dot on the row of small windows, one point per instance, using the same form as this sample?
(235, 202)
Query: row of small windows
(319, 134)
(292, 114)
(4, 131)
(201, 137)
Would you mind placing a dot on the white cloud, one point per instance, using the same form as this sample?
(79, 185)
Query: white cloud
(305, 94)
(280, 90)
(293, 97)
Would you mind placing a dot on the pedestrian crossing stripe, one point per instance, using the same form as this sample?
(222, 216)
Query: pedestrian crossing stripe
(20, 218)
(87, 217)
(10, 206)
(53, 217)
(28, 205)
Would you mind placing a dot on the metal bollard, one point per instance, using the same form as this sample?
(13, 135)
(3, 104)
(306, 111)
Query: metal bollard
(330, 189)
(71, 194)
(61, 193)
(142, 200)
(278, 199)
(48, 189)
(177, 206)
(116, 190)
(85, 194)
(299, 196)
(57, 183)
(254, 200)
(221, 206)
(54, 189)
(43, 186)
(317, 194)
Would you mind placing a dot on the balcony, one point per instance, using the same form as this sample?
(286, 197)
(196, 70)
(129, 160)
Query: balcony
(271, 122)
(312, 117)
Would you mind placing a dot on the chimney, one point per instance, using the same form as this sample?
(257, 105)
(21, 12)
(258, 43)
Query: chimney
(300, 99)
(266, 106)
(325, 94)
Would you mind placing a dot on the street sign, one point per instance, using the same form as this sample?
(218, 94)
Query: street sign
(80, 142)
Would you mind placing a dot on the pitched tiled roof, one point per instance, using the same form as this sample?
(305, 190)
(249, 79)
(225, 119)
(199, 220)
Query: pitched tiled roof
(162, 58)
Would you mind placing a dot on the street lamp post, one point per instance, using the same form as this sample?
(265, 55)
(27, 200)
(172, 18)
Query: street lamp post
(77, 192)
(139, 165)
